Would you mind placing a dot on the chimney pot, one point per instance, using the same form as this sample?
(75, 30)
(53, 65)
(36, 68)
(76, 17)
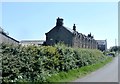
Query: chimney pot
(74, 27)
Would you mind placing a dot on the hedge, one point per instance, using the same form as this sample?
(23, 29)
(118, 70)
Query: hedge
(36, 63)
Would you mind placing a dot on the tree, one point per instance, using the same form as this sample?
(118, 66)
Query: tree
(114, 48)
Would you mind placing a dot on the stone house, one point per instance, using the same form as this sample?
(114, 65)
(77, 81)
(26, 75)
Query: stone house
(102, 45)
(69, 36)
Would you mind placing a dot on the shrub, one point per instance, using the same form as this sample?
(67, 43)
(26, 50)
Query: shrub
(36, 63)
(111, 54)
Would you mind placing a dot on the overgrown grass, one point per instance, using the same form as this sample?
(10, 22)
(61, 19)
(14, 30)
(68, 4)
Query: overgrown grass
(71, 75)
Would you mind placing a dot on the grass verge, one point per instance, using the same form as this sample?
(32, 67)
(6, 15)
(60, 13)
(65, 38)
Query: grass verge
(77, 73)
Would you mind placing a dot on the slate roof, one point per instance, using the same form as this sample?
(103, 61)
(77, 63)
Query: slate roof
(60, 25)
(33, 41)
(69, 29)
(79, 34)
(101, 42)
(1, 30)
(6, 34)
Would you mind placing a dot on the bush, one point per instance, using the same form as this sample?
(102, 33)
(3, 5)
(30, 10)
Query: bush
(36, 63)
(111, 54)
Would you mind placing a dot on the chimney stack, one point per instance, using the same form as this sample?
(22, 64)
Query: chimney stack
(59, 22)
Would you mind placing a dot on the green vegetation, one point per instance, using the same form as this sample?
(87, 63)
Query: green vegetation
(39, 63)
(115, 49)
(71, 75)
(109, 53)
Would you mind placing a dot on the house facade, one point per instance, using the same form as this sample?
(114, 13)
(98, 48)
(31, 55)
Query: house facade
(69, 36)
(102, 45)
